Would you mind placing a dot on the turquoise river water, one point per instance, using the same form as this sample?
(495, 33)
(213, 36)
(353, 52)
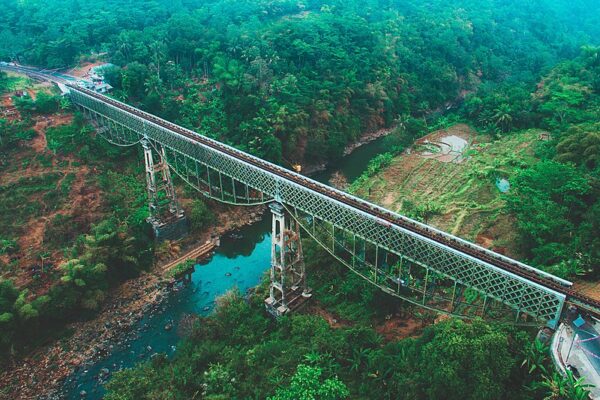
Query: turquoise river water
(240, 261)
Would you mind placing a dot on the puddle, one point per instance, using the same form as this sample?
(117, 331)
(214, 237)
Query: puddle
(451, 149)
(503, 185)
(455, 143)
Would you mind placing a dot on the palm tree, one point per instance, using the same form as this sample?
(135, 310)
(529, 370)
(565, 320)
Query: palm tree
(154, 85)
(158, 50)
(357, 358)
(502, 117)
(64, 103)
(591, 55)
(124, 45)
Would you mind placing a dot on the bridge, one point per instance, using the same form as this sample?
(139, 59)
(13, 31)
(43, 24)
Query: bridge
(406, 259)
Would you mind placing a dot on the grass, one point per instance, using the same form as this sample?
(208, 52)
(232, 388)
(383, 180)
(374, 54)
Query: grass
(16, 82)
(459, 198)
(180, 268)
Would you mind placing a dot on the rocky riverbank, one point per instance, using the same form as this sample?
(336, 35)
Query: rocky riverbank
(366, 138)
(40, 375)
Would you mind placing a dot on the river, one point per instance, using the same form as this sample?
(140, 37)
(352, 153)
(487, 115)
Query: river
(353, 165)
(240, 261)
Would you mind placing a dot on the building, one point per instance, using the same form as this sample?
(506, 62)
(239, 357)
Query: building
(95, 79)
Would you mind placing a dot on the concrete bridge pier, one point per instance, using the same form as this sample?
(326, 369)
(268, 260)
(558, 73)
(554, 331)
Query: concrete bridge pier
(288, 290)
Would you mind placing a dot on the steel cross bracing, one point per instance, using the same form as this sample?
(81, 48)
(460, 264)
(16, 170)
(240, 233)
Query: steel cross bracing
(234, 177)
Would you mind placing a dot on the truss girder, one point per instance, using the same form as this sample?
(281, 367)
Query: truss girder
(517, 292)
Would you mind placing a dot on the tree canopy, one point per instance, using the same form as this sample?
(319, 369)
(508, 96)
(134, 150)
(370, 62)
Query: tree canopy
(295, 81)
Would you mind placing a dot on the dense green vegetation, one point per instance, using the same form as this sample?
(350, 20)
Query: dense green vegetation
(240, 352)
(114, 248)
(299, 80)
(200, 216)
(295, 81)
(556, 202)
(554, 195)
(107, 255)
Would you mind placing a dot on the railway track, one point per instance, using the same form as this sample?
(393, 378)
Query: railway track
(387, 217)
(499, 261)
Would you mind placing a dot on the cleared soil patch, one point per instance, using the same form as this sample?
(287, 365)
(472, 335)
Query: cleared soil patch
(42, 123)
(397, 328)
(84, 69)
(394, 327)
(333, 320)
(53, 186)
(446, 145)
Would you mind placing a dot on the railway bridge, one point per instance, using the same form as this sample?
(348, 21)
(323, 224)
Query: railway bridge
(404, 258)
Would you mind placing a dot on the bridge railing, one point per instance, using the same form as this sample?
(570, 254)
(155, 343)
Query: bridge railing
(189, 155)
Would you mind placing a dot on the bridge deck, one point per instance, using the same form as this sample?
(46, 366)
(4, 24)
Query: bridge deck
(516, 284)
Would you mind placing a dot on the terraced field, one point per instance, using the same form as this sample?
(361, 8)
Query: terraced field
(457, 196)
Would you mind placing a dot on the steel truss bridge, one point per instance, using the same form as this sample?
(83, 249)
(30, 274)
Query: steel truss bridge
(404, 258)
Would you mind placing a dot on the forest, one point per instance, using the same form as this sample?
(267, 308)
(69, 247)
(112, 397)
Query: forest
(295, 82)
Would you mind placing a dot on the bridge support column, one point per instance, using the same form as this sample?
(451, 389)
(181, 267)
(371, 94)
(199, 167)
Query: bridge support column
(287, 291)
(166, 217)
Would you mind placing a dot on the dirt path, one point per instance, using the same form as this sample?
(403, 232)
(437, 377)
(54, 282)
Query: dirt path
(40, 143)
(83, 70)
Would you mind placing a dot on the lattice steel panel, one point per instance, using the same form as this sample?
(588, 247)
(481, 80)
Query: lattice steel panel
(517, 292)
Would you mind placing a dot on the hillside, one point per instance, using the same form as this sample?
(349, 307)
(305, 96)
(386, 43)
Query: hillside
(74, 243)
(456, 190)
(41, 191)
(490, 111)
(294, 82)
(541, 149)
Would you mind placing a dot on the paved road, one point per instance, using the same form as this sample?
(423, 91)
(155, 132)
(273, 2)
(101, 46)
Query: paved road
(580, 353)
(588, 340)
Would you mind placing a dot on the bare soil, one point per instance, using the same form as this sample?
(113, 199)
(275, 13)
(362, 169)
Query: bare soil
(43, 371)
(394, 327)
(333, 320)
(83, 201)
(42, 123)
(83, 70)
(397, 328)
(590, 289)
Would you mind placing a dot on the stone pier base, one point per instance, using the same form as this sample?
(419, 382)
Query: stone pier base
(173, 229)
